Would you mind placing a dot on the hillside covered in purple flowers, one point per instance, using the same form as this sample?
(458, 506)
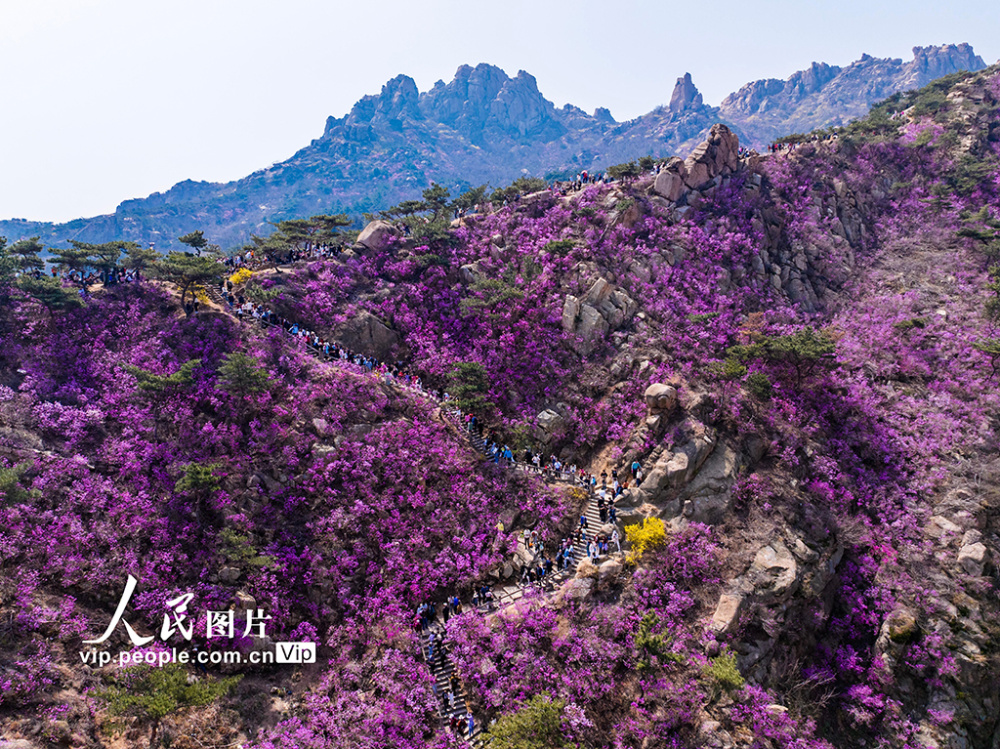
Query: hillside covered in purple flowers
(800, 349)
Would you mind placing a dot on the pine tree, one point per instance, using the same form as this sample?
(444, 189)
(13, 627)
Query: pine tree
(538, 724)
(25, 253)
(469, 386)
(151, 694)
(50, 293)
(186, 271)
(436, 199)
(195, 240)
(242, 375)
(469, 199)
(990, 347)
(140, 259)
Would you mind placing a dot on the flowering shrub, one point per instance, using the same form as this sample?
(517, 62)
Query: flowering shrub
(241, 276)
(140, 441)
(399, 511)
(643, 536)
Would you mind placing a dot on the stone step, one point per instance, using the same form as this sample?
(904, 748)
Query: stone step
(444, 668)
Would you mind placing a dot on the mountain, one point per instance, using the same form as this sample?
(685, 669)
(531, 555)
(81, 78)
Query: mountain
(826, 95)
(486, 127)
(798, 350)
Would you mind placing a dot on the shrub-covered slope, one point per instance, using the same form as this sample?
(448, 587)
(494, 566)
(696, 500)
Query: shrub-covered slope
(814, 333)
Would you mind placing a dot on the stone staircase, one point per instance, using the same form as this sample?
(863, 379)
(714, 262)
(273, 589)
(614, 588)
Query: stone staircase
(440, 665)
(442, 669)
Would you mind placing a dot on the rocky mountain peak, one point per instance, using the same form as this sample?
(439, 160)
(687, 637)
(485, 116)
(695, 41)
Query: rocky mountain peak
(399, 96)
(520, 107)
(810, 80)
(484, 126)
(397, 102)
(464, 102)
(823, 95)
(603, 114)
(934, 62)
(486, 98)
(753, 97)
(685, 96)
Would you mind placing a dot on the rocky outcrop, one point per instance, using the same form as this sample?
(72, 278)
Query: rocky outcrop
(669, 183)
(367, 334)
(608, 573)
(661, 399)
(727, 613)
(804, 270)
(676, 467)
(972, 558)
(602, 309)
(751, 605)
(713, 160)
(535, 204)
(809, 271)
(774, 572)
(574, 590)
(377, 235)
(470, 273)
(717, 156)
(899, 628)
(548, 424)
(708, 496)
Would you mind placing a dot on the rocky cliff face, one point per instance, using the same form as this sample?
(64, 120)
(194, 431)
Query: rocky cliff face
(486, 127)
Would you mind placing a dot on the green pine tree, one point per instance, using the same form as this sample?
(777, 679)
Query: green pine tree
(195, 240)
(538, 724)
(242, 375)
(186, 271)
(149, 694)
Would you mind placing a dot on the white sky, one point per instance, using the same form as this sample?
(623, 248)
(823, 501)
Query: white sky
(105, 100)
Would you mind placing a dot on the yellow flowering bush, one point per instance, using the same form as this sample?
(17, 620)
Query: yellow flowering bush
(241, 276)
(201, 295)
(648, 535)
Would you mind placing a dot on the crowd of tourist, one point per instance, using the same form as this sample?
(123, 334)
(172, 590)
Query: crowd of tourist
(787, 147)
(254, 260)
(106, 276)
(538, 571)
(322, 347)
(582, 542)
(549, 467)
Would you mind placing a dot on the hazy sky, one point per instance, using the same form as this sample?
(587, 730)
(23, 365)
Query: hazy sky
(105, 100)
